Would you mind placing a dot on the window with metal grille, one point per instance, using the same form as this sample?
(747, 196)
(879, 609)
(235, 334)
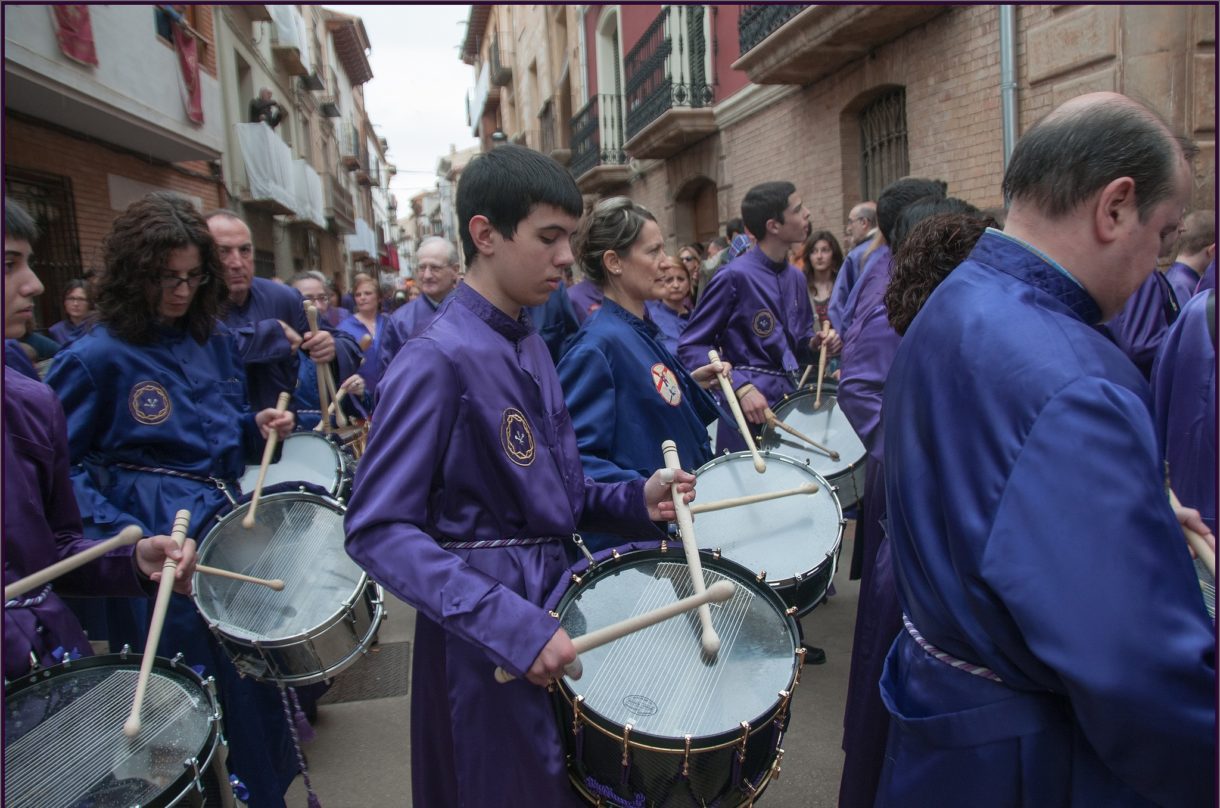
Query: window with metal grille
(48, 198)
(883, 143)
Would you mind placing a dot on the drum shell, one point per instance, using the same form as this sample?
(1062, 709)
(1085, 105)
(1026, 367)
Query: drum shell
(847, 474)
(187, 789)
(298, 658)
(660, 767)
(800, 585)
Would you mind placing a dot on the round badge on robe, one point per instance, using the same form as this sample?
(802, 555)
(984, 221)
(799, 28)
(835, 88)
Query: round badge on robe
(516, 437)
(764, 323)
(666, 384)
(149, 403)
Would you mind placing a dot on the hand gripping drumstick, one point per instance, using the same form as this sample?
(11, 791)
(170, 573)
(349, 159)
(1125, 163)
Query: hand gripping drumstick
(735, 502)
(268, 451)
(273, 583)
(726, 387)
(166, 587)
(817, 399)
(128, 535)
(716, 593)
(774, 422)
(711, 640)
(1197, 543)
(311, 314)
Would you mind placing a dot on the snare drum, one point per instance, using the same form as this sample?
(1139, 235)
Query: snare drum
(651, 722)
(828, 425)
(307, 457)
(793, 542)
(323, 620)
(64, 741)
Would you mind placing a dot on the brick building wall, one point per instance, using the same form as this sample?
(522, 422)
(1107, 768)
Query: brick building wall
(88, 164)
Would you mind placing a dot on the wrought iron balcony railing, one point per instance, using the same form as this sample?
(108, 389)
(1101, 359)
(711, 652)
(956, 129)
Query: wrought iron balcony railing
(597, 135)
(756, 23)
(667, 67)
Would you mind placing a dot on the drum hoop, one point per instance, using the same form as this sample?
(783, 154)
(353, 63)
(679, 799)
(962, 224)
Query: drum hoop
(719, 740)
(185, 781)
(829, 390)
(332, 620)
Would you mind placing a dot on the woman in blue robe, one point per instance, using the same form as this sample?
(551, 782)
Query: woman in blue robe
(366, 326)
(158, 421)
(627, 394)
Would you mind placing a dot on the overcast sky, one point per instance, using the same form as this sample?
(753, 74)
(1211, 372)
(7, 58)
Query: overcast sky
(417, 97)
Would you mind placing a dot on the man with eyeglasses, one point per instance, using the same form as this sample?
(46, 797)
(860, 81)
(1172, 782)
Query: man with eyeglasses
(436, 273)
(860, 230)
(276, 314)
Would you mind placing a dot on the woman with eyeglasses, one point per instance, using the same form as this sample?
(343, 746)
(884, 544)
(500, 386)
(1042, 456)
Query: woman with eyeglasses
(77, 309)
(157, 421)
(357, 402)
(625, 391)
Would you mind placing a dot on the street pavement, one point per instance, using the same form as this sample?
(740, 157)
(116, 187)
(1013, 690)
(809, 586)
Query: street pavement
(361, 754)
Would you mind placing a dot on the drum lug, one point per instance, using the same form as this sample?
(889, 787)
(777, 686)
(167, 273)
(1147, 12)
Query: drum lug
(665, 545)
(177, 661)
(790, 611)
(576, 579)
(800, 665)
(576, 722)
(686, 758)
(626, 748)
(716, 554)
(762, 576)
(192, 763)
(126, 652)
(741, 745)
(775, 767)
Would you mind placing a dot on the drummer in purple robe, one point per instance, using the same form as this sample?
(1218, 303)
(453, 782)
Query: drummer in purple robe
(756, 312)
(1056, 648)
(471, 485)
(1184, 402)
(42, 523)
(1195, 249)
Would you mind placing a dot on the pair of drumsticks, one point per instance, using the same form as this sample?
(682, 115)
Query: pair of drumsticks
(326, 382)
(703, 595)
(817, 399)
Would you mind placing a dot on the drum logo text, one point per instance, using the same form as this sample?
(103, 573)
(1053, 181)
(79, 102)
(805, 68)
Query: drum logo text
(764, 323)
(666, 384)
(639, 705)
(149, 403)
(516, 437)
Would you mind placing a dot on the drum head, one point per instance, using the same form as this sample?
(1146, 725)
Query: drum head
(825, 424)
(657, 679)
(297, 538)
(782, 537)
(306, 457)
(64, 741)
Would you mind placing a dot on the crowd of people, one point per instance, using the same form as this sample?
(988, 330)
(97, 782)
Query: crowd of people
(1027, 383)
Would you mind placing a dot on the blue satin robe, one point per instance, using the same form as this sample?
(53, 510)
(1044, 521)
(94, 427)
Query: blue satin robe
(472, 443)
(65, 333)
(756, 312)
(586, 298)
(400, 326)
(42, 525)
(180, 405)
(556, 322)
(1184, 280)
(668, 322)
(1184, 402)
(845, 281)
(1032, 535)
(869, 289)
(368, 357)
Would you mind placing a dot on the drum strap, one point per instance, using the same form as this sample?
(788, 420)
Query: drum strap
(948, 659)
(455, 544)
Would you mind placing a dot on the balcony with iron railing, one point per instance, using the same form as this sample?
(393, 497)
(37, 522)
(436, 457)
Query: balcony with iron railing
(669, 100)
(328, 105)
(598, 160)
(801, 44)
(340, 210)
(351, 152)
(483, 99)
(501, 59)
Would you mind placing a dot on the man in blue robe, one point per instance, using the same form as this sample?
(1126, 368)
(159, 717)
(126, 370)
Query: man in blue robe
(1057, 650)
(469, 489)
(1196, 247)
(275, 314)
(437, 271)
(861, 229)
(756, 312)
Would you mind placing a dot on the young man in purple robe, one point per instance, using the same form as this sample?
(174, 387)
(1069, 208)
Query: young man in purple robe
(42, 523)
(756, 312)
(469, 489)
(1056, 648)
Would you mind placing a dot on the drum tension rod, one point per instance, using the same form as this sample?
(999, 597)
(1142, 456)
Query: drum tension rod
(741, 745)
(686, 759)
(626, 746)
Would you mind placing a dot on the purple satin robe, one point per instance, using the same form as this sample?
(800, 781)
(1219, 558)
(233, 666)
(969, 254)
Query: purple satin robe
(1184, 402)
(42, 525)
(586, 298)
(756, 313)
(400, 326)
(474, 444)
(1139, 328)
(1184, 280)
(845, 281)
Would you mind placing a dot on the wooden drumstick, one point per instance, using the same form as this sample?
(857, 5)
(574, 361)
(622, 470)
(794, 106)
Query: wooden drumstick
(726, 387)
(270, 583)
(805, 376)
(817, 399)
(774, 422)
(335, 396)
(273, 436)
(128, 535)
(750, 499)
(164, 589)
(711, 640)
(718, 592)
(311, 314)
(1197, 543)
